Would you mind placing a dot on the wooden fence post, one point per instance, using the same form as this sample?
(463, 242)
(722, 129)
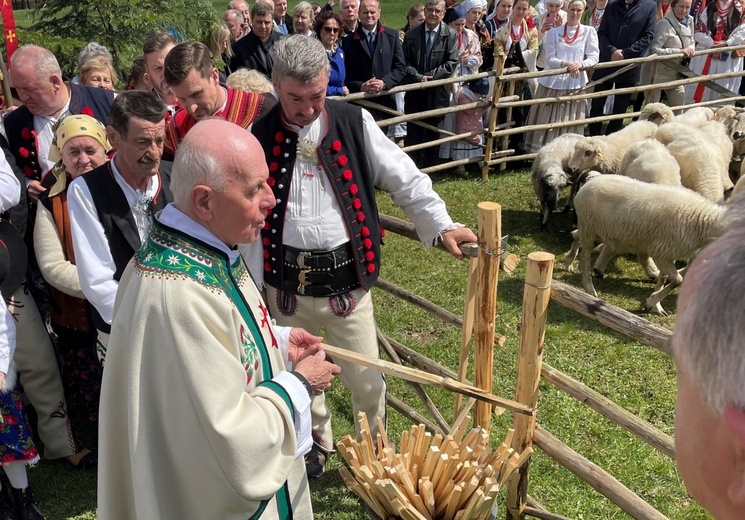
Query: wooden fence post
(487, 274)
(496, 94)
(536, 295)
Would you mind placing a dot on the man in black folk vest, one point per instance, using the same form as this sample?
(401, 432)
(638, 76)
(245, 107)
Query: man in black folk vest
(111, 207)
(321, 242)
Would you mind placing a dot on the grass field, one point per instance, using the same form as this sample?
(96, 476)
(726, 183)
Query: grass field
(634, 376)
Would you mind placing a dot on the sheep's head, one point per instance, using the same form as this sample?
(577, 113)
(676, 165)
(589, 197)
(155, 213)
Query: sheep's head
(657, 113)
(736, 132)
(587, 154)
(726, 115)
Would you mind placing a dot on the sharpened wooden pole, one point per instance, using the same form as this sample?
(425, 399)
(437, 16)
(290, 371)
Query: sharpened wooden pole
(536, 295)
(487, 275)
(466, 333)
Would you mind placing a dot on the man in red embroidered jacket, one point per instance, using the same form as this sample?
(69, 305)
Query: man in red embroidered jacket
(195, 82)
(321, 243)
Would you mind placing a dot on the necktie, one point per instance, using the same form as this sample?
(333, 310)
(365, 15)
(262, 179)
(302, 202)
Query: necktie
(371, 42)
(430, 40)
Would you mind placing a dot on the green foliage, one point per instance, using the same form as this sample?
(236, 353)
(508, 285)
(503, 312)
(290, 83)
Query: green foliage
(65, 49)
(121, 25)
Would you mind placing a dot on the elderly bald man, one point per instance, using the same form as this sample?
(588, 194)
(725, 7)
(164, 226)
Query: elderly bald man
(200, 416)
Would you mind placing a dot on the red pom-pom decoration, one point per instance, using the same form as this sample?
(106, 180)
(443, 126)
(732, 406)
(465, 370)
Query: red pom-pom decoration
(273, 167)
(367, 243)
(266, 254)
(28, 171)
(279, 137)
(530, 22)
(347, 175)
(86, 111)
(356, 204)
(26, 134)
(23, 152)
(276, 151)
(342, 160)
(360, 216)
(369, 256)
(365, 231)
(270, 181)
(353, 189)
(267, 226)
(370, 268)
(266, 241)
(382, 233)
(267, 267)
(336, 146)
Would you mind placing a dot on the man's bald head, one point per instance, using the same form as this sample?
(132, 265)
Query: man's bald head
(219, 180)
(37, 77)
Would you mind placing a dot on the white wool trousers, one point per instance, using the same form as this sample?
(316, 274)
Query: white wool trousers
(347, 322)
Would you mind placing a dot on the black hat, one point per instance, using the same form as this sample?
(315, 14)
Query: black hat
(13, 259)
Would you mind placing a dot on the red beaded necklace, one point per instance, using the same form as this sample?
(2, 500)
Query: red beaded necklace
(597, 17)
(724, 11)
(573, 39)
(519, 35)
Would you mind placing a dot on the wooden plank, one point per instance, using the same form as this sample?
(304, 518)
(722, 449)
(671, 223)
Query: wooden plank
(487, 277)
(595, 476)
(536, 296)
(660, 441)
(419, 376)
(611, 316)
(407, 229)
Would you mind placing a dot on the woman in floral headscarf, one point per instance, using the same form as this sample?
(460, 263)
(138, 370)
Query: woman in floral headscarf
(79, 145)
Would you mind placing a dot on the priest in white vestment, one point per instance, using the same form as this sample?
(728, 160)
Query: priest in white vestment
(201, 415)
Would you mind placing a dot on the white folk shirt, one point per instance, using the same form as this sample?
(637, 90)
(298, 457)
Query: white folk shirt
(313, 219)
(584, 50)
(10, 187)
(44, 136)
(96, 266)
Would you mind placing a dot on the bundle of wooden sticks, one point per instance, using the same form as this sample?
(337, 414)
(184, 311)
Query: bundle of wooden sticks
(455, 477)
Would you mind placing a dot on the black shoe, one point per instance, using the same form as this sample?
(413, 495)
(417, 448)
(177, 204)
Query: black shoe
(6, 506)
(315, 462)
(25, 506)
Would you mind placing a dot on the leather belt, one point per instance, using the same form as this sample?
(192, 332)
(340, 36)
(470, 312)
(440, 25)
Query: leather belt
(319, 273)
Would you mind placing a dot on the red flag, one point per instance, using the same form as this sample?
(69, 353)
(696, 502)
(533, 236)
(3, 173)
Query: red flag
(9, 28)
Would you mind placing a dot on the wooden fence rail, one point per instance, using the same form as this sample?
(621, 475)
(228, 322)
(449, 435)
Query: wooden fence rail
(503, 97)
(530, 362)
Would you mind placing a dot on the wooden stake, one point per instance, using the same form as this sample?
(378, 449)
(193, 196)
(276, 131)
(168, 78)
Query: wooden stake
(466, 334)
(536, 296)
(489, 233)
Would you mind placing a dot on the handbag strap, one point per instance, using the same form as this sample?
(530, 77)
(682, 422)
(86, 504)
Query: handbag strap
(677, 31)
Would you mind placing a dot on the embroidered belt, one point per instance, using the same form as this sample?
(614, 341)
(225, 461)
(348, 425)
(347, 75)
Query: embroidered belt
(319, 273)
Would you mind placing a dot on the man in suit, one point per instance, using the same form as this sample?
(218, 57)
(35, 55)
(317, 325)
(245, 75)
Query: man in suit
(625, 32)
(255, 50)
(431, 53)
(111, 207)
(281, 18)
(374, 57)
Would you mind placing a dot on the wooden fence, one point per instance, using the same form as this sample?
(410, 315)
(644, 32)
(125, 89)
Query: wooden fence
(540, 288)
(502, 97)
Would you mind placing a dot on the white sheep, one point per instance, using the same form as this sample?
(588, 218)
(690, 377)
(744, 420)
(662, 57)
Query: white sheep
(716, 134)
(701, 163)
(666, 223)
(605, 153)
(649, 161)
(696, 116)
(657, 113)
(549, 173)
(734, 121)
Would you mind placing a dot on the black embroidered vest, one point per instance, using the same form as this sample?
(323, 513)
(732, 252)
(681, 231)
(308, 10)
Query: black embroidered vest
(344, 158)
(117, 220)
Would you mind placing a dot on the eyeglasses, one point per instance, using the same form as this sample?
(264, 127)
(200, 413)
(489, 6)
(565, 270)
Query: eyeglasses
(331, 30)
(431, 10)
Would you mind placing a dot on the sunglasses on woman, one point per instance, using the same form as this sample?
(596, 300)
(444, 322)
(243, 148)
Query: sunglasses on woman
(331, 30)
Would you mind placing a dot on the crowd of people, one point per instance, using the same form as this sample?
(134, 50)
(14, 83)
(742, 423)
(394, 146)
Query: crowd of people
(188, 237)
